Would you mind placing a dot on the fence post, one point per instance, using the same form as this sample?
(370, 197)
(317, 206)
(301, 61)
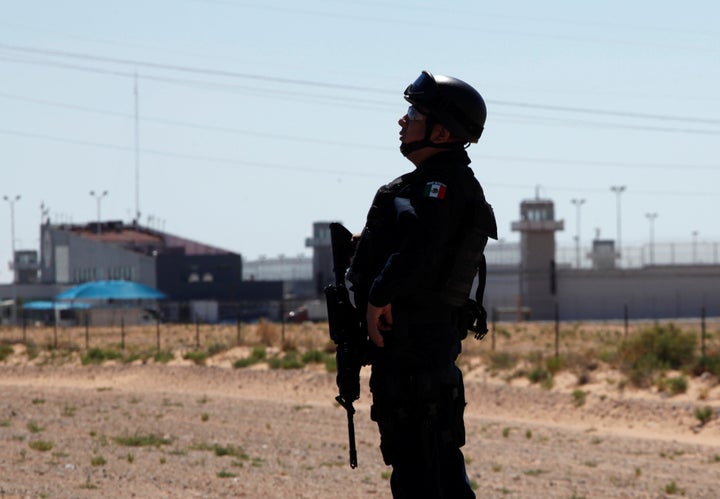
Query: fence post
(55, 326)
(122, 333)
(625, 317)
(157, 332)
(494, 323)
(87, 331)
(702, 329)
(197, 333)
(239, 327)
(24, 323)
(557, 330)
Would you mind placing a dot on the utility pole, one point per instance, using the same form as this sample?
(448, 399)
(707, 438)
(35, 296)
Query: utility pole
(11, 201)
(618, 190)
(651, 218)
(98, 198)
(137, 152)
(578, 203)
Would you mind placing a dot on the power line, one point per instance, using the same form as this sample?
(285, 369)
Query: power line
(339, 86)
(605, 112)
(305, 139)
(324, 171)
(598, 124)
(191, 69)
(618, 164)
(358, 103)
(191, 157)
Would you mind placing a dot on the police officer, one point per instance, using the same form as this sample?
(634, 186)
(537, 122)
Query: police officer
(412, 272)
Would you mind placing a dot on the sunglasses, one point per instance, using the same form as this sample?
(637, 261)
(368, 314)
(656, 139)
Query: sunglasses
(414, 115)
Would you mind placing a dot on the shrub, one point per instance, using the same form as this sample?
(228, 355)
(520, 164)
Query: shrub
(163, 356)
(539, 375)
(41, 445)
(579, 397)
(5, 351)
(676, 385)
(502, 360)
(314, 356)
(710, 363)
(331, 364)
(217, 348)
(98, 356)
(656, 348)
(288, 361)
(555, 364)
(197, 356)
(704, 414)
(142, 441)
(258, 354)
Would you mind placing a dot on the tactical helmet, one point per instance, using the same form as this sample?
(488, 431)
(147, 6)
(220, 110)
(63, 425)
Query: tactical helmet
(451, 102)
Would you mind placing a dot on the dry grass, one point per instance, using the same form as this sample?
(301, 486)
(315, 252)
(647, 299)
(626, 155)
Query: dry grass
(523, 347)
(208, 337)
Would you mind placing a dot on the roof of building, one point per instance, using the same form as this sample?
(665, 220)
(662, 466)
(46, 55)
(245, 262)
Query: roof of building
(135, 236)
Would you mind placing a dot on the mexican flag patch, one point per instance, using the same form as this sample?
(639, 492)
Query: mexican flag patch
(435, 190)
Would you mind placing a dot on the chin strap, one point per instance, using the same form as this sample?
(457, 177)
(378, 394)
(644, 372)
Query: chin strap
(411, 147)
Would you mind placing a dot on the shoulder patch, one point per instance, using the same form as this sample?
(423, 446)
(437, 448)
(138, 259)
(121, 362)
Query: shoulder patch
(435, 190)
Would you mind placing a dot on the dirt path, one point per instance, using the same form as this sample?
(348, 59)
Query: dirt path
(217, 432)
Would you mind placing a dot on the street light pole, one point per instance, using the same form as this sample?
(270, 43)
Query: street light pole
(578, 203)
(694, 246)
(98, 198)
(618, 190)
(651, 218)
(11, 201)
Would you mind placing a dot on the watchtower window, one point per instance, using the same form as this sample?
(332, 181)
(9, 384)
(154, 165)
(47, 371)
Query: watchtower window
(538, 214)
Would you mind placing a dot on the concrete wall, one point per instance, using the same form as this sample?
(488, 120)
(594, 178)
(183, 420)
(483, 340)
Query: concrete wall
(649, 293)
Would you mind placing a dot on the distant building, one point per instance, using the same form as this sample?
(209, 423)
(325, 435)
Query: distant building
(532, 278)
(202, 282)
(322, 255)
(537, 227)
(296, 274)
(280, 268)
(26, 267)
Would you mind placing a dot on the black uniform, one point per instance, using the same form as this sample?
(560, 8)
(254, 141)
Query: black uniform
(419, 251)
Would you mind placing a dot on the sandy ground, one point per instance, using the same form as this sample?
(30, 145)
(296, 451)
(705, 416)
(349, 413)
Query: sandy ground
(183, 430)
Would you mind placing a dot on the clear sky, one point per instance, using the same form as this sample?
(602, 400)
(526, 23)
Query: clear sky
(258, 117)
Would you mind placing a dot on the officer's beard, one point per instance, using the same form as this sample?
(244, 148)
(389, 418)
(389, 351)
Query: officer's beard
(410, 147)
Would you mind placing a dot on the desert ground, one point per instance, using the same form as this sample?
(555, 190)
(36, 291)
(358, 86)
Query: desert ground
(203, 426)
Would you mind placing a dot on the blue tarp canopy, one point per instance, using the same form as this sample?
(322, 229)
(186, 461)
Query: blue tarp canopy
(111, 290)
(53, 305)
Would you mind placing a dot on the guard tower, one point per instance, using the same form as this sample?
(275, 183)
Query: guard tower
(537, 226)
(322, 255)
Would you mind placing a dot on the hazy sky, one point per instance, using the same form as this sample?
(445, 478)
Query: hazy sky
(258, 117)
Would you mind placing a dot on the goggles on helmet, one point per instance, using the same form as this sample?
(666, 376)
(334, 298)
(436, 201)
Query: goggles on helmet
(425, 86)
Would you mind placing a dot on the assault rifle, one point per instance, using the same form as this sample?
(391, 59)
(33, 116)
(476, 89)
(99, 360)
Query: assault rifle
(346, 330)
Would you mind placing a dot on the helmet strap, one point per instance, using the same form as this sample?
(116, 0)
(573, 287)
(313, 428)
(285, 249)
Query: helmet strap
(411, 147)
